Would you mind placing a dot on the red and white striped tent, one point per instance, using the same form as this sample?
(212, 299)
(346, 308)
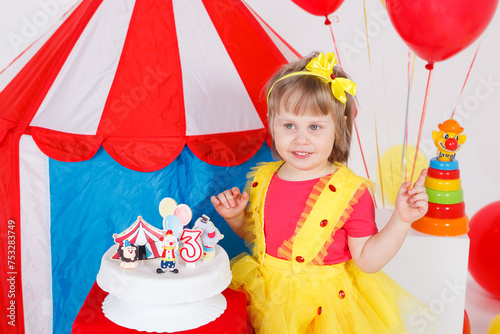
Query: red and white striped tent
(142, 79)
(142, 234)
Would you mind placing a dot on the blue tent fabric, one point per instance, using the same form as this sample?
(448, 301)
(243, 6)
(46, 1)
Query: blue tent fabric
(91, 200)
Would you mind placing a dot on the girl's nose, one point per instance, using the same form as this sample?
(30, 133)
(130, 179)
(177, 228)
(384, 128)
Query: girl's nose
(302, 137)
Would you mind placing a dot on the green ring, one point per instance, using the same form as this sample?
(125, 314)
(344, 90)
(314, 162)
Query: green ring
(445, 197)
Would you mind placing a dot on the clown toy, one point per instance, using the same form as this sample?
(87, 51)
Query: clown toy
(448, 139)
(168, 260)
(446, 214)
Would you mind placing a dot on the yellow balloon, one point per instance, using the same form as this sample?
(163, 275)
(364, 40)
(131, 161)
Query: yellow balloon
(494, 327)
(167, 206)
(392, 172)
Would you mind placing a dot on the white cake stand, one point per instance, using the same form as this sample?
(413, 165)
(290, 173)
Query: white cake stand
(163, 318)
(143, 300)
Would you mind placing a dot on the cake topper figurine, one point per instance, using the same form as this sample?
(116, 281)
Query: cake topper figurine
(448, 139)
(168, 259)
(143, 235)
(209, 237)
(128, 254)
(446, 214)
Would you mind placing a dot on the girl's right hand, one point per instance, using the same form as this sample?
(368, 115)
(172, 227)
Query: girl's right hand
(230, 203)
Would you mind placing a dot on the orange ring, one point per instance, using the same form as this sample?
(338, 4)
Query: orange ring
(442, 227)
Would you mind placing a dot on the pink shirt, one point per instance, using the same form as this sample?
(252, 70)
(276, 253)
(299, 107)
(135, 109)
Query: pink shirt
(286, 200)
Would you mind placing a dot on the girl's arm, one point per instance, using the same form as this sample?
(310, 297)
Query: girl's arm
(230, 204)
(373, 252)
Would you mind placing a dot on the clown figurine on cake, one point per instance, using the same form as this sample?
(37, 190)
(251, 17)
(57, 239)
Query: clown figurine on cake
(168, 260)
(446, 214)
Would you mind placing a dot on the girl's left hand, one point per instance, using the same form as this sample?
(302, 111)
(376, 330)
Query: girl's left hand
(412, 204)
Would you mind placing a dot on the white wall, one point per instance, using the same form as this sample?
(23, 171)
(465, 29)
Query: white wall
(23, 21)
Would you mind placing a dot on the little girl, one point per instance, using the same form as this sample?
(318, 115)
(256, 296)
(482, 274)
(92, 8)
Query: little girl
(310, 225)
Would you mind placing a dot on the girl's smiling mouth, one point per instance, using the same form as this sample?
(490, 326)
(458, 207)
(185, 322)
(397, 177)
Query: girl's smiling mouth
(300, 154)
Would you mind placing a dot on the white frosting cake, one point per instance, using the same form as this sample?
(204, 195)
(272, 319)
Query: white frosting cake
(144, 300)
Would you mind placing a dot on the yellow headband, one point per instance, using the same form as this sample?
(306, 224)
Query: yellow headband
(322, 67)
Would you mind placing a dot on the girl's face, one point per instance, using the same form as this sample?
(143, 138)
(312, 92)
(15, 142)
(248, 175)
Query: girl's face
(305, 142)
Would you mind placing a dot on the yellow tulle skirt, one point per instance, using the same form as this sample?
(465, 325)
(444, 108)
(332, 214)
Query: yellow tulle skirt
(326, 299)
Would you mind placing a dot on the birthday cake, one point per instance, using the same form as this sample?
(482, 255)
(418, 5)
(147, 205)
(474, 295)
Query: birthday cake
(165, 280)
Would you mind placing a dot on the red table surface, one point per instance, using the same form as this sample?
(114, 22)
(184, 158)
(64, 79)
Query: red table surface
(90, 319)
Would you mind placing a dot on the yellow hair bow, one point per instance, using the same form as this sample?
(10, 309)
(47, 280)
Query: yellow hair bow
(322, 67)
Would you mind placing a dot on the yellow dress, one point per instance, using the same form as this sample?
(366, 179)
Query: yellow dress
(300, 294)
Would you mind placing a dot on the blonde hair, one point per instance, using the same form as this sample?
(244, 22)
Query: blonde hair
(306, 94)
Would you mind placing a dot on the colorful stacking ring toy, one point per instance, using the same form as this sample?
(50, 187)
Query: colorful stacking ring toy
(446, 213)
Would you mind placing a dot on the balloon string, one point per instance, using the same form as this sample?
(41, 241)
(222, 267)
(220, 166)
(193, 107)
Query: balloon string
(404, 169)
(363, 156)
(405, 132)
(366, 33)
(385, 93)
(465, 82)
(355, 114)
(412, 76)
(373, 108)
(426, 99)
(335, 45)
(379, 164)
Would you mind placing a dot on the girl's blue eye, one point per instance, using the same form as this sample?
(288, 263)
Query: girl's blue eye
(289, 126)
(314, 127)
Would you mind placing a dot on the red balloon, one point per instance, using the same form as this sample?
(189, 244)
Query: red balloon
(484, 252)
(319, 7)
(466, 323)
(438, 29)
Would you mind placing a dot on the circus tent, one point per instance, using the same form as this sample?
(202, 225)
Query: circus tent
(120, 96)
(142, 234)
